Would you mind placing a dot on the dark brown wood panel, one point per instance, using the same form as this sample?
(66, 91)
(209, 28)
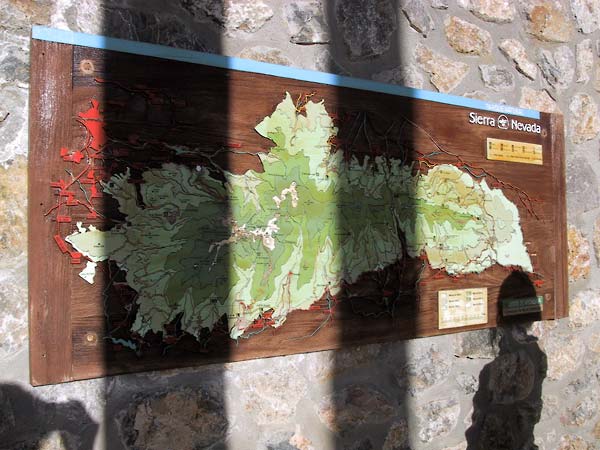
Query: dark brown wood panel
(70, 319)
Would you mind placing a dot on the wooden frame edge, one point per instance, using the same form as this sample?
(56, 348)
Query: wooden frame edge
(561, 305)
(50, 107)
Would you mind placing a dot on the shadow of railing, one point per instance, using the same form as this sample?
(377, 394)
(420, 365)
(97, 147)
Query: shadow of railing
(376, 211)
(167, 164)
(27, 421)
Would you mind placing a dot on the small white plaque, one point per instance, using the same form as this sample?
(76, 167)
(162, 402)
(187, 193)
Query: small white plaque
(462, 307)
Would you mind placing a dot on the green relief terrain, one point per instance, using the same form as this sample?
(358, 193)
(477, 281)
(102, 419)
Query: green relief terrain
(280, 239)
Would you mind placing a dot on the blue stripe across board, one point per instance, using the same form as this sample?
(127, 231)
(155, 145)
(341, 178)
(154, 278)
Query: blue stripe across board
(246, 65)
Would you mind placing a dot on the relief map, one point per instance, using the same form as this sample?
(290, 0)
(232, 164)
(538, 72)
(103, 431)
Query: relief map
(247, 249)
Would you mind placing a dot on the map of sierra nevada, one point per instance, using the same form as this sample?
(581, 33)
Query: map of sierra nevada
(200, 248)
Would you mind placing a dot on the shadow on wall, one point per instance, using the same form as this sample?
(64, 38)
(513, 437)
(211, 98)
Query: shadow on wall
(371, 385)
(148, 115)
(508, 403)
(192, 415)
(28, 422)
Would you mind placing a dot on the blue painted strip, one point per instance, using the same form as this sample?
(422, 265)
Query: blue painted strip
(246, 65)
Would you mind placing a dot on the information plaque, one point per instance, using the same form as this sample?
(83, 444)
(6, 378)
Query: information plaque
(187, 208)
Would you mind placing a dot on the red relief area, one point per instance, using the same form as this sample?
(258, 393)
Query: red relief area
(77, 193)
(93, 122)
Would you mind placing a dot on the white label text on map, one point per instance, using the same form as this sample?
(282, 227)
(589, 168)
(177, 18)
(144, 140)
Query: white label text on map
(504, 123)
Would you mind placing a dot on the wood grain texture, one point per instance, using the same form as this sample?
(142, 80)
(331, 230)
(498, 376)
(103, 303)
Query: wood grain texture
(561, 306)
(49, 273)
(224, 106)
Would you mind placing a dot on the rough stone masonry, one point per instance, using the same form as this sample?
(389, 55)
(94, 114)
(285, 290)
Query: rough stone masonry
(505, 389)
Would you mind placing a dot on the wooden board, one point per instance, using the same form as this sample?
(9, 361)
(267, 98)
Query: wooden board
(170, 103)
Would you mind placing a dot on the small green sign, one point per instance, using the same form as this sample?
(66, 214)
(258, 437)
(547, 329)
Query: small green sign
(523, 305)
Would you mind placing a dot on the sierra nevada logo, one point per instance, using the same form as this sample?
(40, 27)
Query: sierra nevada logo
(503, 122)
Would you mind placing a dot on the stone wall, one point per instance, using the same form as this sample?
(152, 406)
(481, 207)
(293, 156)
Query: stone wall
(498, 389)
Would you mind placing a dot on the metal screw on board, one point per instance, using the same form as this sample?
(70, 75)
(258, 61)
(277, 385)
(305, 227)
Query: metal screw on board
(91, 338)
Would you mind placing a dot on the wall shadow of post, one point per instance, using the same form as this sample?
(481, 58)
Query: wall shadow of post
(508, 402)
(368, 387)
(159, 114)
(27, 422)
(378, 298)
